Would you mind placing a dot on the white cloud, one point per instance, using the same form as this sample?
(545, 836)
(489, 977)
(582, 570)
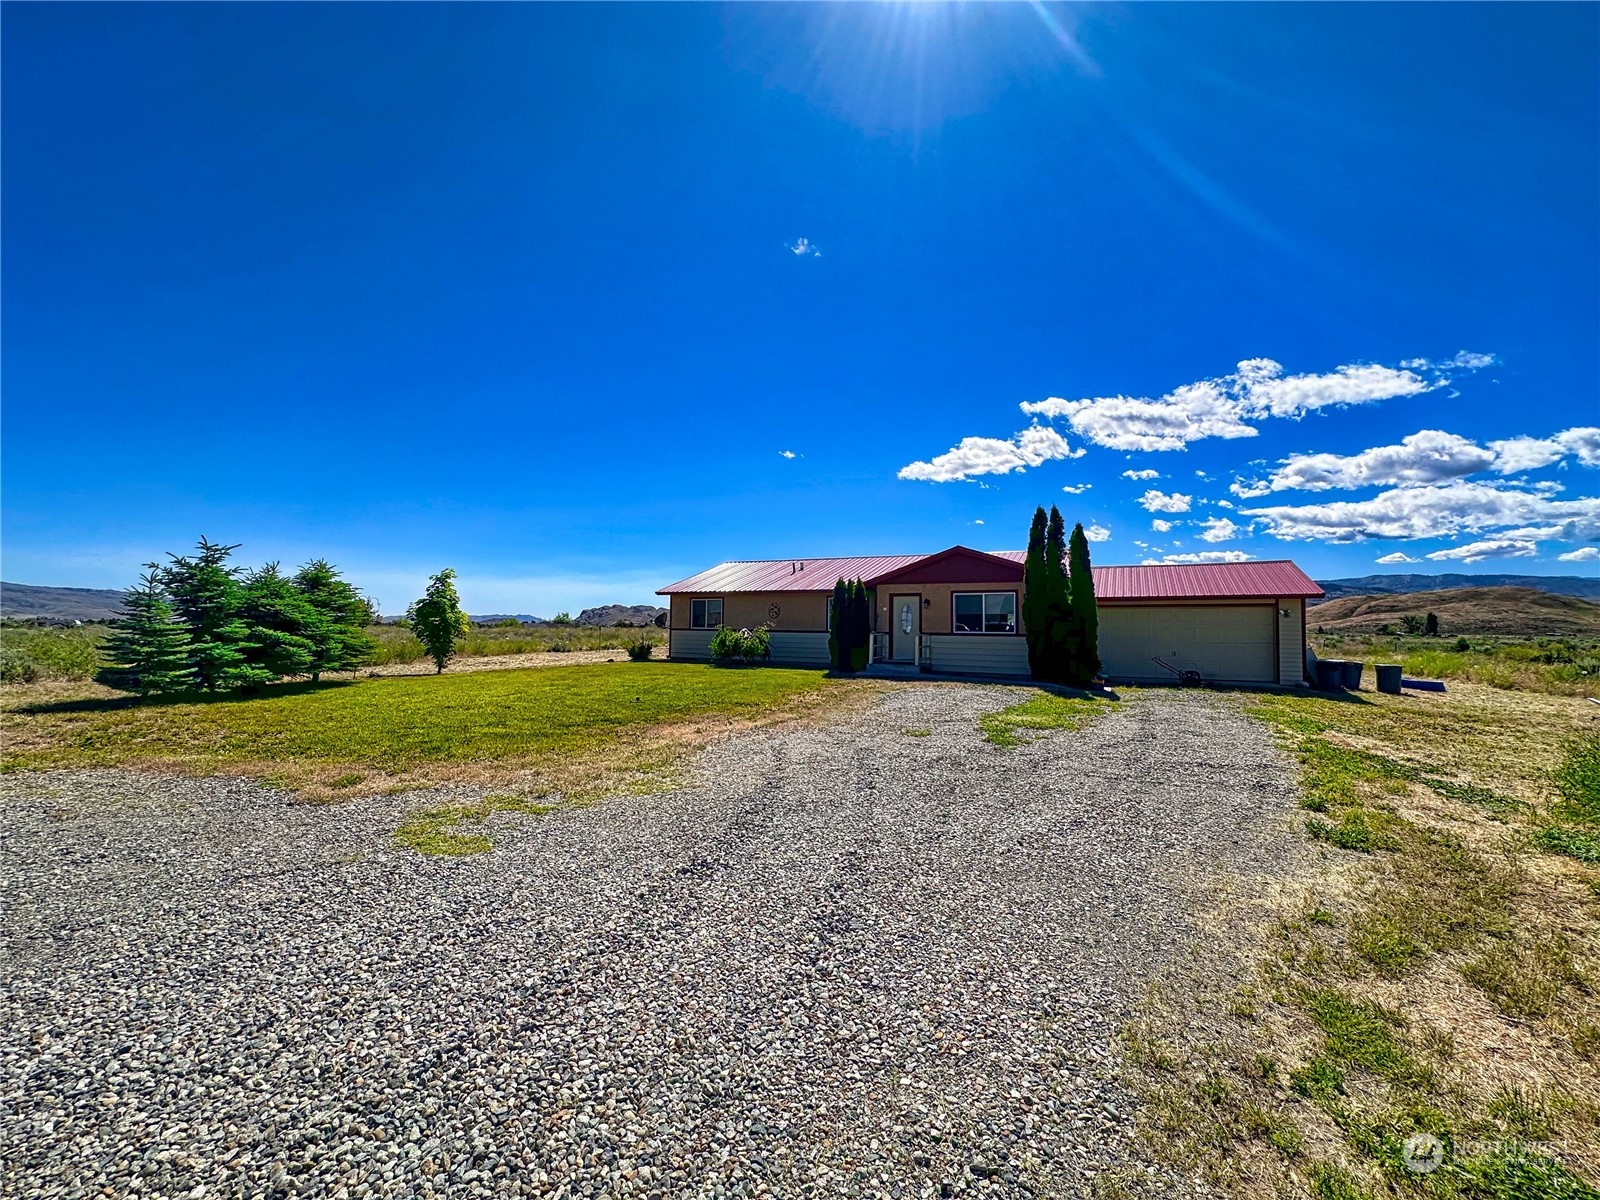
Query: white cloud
(1496, 547)
(1097, 533)
(1397, 557)
(1147, 473)
(993, 456)
(1581, 554)
(787, 454)
(1076, 489)
(1221, 407)
(1224, 504)
(1442, 510)
(1161, 526)
(1202, 476)
(804, 248)
(1428, 456)
(1173, 502)
(1204, 556)
(1461, 358)
(1220, 529)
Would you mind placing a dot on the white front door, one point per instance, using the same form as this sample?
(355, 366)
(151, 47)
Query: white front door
(905, 627)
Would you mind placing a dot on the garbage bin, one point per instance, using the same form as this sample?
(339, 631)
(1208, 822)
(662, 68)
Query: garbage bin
(1352, 674)
(1330, 675)
(1389, 678)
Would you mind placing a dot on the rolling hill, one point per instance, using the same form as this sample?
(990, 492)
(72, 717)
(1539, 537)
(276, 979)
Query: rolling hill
(1503, 611)
(50, 604)
(1373, 585)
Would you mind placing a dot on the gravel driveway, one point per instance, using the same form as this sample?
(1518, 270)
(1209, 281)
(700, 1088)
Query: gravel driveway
(850, 961)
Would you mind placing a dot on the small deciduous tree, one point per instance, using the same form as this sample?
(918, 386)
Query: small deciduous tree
(437, 619)
(150, 651)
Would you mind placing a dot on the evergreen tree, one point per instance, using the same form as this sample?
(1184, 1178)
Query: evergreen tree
(1035, 596)
(837, 620)
(285, 628)
(1085, 614)
(205, 594)
(437, 619)
(340, 642)
(860, 626)
(1059, 625)
(1430, 625)
(150, 651)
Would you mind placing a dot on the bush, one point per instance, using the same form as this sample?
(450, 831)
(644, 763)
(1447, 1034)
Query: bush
(740, 645)
(1577, 779)
(640, 651)
(1462, 645)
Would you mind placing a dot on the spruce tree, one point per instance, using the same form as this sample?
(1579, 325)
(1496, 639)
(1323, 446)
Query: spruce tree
(205, 594)
(285, 628)
(1035, 596)
(341, 642)
(150, 651)
(437, 619)
(837, 620)
(1059, 631)
(1085, 615)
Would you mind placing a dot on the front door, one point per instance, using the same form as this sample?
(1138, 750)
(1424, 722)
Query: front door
(905, 627)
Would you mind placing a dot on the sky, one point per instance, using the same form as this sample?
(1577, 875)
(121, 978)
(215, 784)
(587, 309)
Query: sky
(580, 300)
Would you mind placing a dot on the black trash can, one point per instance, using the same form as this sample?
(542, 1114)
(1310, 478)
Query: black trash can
(1352, 674)
(1330, 675)
(1388, 678)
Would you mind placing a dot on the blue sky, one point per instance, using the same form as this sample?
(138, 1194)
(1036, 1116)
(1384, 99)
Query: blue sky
(551, 294)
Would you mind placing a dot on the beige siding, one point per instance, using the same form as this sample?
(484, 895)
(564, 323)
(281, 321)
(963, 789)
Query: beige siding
(798, 612)
(938, 614)
(1229, 643)
(1291, 650)
(978, 654)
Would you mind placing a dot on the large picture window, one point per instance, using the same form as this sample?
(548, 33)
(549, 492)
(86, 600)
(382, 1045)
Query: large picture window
(985, 612)
(705, 614)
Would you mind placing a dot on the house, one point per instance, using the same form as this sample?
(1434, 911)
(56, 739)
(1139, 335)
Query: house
(959, 612)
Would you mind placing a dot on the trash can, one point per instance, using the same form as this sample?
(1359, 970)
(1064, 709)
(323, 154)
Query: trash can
(1330, 675)
(1389, 678)
(1352, 674)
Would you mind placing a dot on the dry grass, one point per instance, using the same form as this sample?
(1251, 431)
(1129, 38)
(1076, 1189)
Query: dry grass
(1441, 977)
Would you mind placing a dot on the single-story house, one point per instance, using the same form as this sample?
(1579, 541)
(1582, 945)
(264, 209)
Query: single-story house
(960, 612)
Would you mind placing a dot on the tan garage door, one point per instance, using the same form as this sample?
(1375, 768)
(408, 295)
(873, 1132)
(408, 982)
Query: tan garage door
(1227, 643)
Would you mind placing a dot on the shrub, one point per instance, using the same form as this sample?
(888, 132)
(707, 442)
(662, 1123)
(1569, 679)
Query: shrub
(1577, 779)
(740, 645)
(640, 651)
(1462, 645)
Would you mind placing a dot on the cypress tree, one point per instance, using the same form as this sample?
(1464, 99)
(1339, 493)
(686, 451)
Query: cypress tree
(150, 652)
(837, 619)
(205, 595)
(1035, 596)
(285, 628)
(1059, 632)
(860, 626)
(340, 642)
(1085, 614)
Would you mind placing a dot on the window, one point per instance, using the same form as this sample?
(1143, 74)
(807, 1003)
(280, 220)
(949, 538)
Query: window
(985, 612)
(705, 614)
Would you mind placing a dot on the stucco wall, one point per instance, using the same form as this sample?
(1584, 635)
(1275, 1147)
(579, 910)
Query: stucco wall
(799, 612)
(938, 614)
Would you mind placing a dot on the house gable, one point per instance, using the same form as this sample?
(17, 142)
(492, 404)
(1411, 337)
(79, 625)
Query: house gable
(955, 565)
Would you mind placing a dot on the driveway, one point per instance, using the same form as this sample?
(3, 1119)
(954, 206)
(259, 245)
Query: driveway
(849, 961)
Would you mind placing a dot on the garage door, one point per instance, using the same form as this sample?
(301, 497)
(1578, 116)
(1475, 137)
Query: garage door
(1232, 643)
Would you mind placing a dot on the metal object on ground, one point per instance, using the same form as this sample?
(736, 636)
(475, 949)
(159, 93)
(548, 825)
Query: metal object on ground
(1389, 678)
(1352, 674)
(1423, 685)
(1186, 678)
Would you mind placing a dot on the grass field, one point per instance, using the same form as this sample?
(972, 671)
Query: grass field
(1434, 966)
(32, 653)
(1559, 666)
(576, 729)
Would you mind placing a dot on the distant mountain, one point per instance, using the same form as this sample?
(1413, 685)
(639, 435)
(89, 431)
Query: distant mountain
(615, 614)
(491, 618)
(1373, 585)
(1504, 611)
(58, 603)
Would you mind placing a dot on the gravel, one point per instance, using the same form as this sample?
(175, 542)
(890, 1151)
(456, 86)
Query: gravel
(849, 961)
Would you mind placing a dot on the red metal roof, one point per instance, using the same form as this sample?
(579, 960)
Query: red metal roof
(1178, 581)
(1203, 581)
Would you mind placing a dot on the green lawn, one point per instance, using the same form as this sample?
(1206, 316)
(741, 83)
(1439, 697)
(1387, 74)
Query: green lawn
(534, 719)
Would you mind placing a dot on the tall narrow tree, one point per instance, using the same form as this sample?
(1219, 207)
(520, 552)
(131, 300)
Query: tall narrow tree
(836, 626)
(1085, 656)
(1036, 596)
(205, 594)
(149, 652)
(437, 619)
(860, 626)
(1059, 632)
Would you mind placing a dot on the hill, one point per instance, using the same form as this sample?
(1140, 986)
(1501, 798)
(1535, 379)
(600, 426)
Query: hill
(1504, 611)
(1375, 585)
(615, 614)
(48, 604)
